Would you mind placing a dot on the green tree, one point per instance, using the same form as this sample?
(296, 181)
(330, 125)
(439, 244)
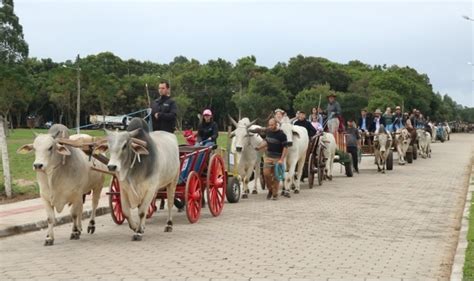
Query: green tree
(382, 99)
(61, 91)
(13, 47)
(309, 98)
(265, 92)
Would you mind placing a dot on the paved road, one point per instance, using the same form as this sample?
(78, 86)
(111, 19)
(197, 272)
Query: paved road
(401, 225)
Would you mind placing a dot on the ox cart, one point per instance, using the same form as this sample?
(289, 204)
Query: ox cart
(316, 161)
(202, 173)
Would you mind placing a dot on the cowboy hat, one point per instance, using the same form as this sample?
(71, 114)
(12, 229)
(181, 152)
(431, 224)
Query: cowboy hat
(378, 111)
(332, 95)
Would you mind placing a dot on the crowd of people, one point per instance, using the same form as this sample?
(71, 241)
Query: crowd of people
(164, 113)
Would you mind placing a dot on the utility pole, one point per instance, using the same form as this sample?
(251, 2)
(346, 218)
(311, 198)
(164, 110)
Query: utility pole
(78, 106)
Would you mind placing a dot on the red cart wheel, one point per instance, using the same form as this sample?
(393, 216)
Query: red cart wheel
(216, 184)
(193, 197)
(152, 208)
(115, 203)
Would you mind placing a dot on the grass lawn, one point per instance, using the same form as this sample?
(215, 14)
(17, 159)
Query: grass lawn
(23, 176)
(469, 263)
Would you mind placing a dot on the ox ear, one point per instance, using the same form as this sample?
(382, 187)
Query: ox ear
(232, 134)
(139, 149)
(102, 148)
(63, 150)
(24, 149)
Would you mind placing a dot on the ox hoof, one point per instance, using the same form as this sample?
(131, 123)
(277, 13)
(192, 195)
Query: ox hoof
(254, 191)
(297, 191)
(137, 237)
(91, 229)
(75, 236)
(287, 194)
(383, 172)
(330, 178)
(181, 210)
(49, 242)
(168, 228)
(245, 196)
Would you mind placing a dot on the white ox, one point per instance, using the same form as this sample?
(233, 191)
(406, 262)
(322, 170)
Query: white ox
(64, 175)
(424, 140)
(402, 141)
(143, 163)
(382, 144)
(433, 131)
(298, 140)
(243, 147)
(329, 152)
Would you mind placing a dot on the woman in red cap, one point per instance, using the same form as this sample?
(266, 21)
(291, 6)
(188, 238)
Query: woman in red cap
(207, 130)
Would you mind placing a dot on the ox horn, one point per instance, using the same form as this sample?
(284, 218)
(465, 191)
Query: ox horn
(233, 121)
(293, 119)
(139, 142)
(135, 132)
(269, 116)
(252, 123)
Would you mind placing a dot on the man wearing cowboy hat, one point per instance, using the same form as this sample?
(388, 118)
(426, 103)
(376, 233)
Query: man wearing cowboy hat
(399, 120)
(377, 121)
(333, 112)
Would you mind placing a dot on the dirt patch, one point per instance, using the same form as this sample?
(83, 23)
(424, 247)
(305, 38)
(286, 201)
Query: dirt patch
(23, 182)
(17, 198)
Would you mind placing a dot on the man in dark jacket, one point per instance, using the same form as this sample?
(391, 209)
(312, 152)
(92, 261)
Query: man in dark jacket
(164, 110)
(377, 121)
(365, 122)
(353, 143)
(303, 122)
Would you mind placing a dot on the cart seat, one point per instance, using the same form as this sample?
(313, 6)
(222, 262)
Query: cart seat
(187, 165)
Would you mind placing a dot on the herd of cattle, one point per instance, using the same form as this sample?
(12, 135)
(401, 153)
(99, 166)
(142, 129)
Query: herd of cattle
(145, 162)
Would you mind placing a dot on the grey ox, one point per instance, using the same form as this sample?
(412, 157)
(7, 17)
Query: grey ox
(382, 144)
(64, 175)
(402, 141)
(143, 162)
(244, 142)
(424, 140)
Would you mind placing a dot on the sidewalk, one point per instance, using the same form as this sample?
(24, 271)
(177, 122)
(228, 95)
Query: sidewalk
(30, 215)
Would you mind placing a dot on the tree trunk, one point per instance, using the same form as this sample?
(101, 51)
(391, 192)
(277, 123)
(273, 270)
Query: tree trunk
(6, 131)
(18, 120)
(6, 163)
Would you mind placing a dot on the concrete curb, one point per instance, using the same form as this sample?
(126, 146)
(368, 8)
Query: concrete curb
(18, 229)
(460, 256)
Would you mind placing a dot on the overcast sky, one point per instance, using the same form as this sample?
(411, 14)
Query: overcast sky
(430, 36)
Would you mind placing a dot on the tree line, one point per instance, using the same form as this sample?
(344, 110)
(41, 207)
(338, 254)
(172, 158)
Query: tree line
(114, 86)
